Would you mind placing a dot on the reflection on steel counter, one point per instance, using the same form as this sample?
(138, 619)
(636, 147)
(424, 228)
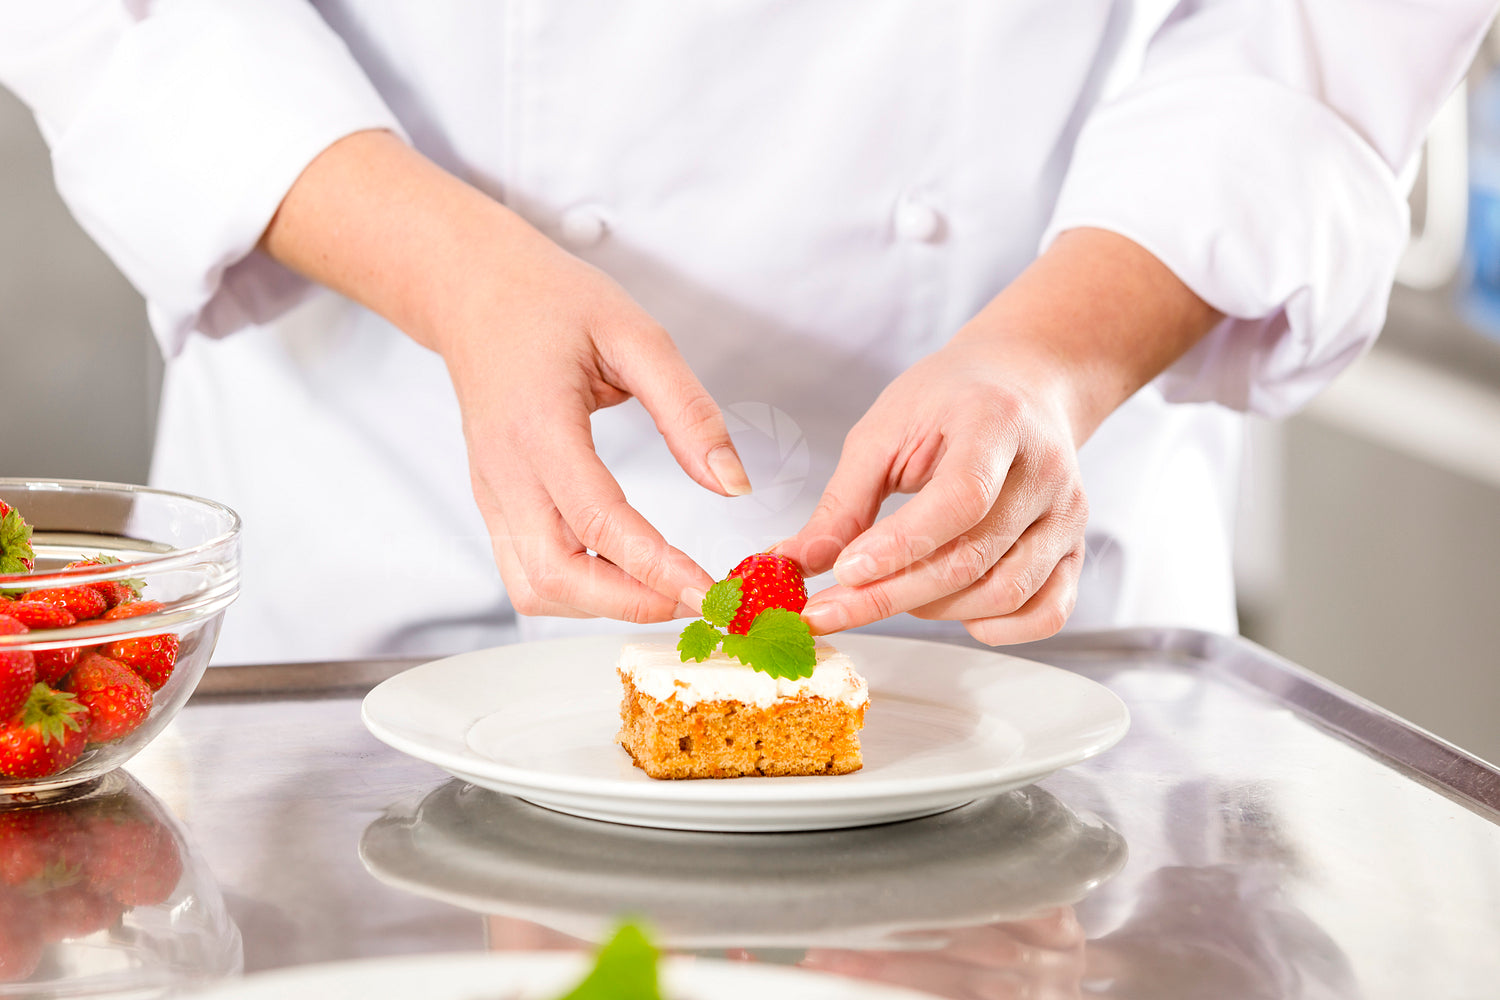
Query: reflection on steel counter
(100, 894)
(1002, 858)
(1285, 839)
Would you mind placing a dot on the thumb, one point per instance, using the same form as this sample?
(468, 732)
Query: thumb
(848, 507)
(685, 414)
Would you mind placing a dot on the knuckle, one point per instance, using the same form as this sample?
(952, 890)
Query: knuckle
(969, 560)
(1000, 405)
(526, 602)
(1054, 613)
(1051, 617)
(1078, 503)
(968, 498)
(550, 589)
(1016, 590)
(594, 524)
(985, 631)
(641, 610)
(879, 604)
(1054, 463)
(699, 412)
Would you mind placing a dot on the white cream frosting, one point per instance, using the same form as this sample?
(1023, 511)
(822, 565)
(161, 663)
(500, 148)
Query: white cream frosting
(656, 669)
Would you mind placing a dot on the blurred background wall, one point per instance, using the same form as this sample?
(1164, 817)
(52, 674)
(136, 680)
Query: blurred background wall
(79, 367)
(1370, 524)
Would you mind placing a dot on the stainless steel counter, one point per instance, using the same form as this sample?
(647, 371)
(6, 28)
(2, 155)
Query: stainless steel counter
(1257, 834)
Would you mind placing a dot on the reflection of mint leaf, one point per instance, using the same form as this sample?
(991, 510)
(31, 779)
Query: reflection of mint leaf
(698, 641)
(624, 970)
(722, 602)
(778, 644)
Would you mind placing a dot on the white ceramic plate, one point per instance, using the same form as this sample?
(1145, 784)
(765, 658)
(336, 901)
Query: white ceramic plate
(537, 976)
(947, 724)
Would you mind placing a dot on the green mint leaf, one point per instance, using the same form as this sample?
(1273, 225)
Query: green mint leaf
(624, 970)
(15, 544)
(778, 644)
(722, 602)
(698, 641)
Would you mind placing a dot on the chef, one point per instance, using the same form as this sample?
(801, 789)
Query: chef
(606, 296)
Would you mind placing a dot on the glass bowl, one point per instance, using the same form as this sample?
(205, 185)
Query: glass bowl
(182, 552)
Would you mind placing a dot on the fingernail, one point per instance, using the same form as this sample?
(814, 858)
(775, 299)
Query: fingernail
(853, 570)
(692, 599)
(824, 618)
(683, 611)
(726, 467)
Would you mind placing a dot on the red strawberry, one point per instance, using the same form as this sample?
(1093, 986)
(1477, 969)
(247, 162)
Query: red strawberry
(82, 603)
(52, 665)
(114, 592)
(17, 671)
(16, 555)
(40, 614)
(117, 698)
(768, 581)
(152, 657)
(132, 609)
(45, 738)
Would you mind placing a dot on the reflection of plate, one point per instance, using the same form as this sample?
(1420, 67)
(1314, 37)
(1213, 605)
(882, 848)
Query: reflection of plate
(946, 725)
(530, 976)
(1000, 859)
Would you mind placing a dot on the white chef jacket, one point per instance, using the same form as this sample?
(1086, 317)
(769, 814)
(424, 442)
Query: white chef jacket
(808, 196)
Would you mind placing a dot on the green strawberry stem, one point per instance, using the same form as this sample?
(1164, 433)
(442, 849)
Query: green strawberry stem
(52, 713)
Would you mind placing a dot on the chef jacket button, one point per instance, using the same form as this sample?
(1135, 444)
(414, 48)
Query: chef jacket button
(583, 226)
(917, 222)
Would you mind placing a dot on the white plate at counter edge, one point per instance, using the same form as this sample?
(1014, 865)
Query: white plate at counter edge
(537, 976)
(1060, 718)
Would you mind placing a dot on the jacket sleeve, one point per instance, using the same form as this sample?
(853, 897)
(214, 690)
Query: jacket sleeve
(176, 127)
(1259, 154)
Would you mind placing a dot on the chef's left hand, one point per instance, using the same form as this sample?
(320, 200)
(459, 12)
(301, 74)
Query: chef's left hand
(986, 433)
(981, 432)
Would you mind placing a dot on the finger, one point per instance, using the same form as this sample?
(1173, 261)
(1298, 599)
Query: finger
(557, 571)
(959, 567)
(1012, 581)
(964, 487)
(523, 598)
(1045, 614)
(592, 505)
(686, 415)
(849, 504)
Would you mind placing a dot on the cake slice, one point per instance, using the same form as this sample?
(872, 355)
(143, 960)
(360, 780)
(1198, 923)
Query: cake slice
(722, 719)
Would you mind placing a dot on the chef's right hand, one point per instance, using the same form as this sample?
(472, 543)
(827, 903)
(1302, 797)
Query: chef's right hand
(535, 341)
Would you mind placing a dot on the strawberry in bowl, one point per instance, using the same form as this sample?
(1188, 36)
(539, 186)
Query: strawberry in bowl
(111, 599)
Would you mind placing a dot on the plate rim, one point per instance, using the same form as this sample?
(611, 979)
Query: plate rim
(678, 971)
